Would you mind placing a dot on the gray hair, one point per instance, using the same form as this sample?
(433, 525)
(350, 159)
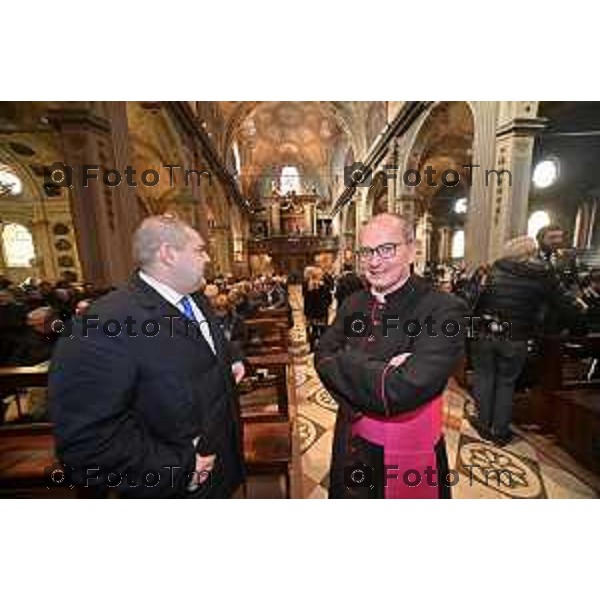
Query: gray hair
(155, 231)
(520, 248)
(404, 224)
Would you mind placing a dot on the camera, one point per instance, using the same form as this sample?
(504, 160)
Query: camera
(358, 175)
(58, 175)
(357, 325)
(358, 476)
(58, 475)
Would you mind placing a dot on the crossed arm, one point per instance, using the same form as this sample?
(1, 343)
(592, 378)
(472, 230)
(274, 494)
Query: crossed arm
(389, 387)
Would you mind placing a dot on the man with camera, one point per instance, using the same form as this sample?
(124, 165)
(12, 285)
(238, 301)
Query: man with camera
(386, 360)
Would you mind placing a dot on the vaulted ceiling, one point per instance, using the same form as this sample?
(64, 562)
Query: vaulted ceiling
(316, 137)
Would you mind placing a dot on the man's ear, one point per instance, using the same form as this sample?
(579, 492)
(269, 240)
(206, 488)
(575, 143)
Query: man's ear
(412, 252)
(166, 254)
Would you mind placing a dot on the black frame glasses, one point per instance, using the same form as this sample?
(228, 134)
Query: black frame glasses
(383, 251)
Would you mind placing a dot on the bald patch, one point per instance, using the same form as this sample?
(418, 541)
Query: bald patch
(155, 231)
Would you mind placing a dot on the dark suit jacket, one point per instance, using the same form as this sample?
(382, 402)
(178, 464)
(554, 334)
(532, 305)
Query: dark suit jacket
(133, 404)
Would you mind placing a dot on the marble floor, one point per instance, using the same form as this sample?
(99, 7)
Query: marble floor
(538, 468)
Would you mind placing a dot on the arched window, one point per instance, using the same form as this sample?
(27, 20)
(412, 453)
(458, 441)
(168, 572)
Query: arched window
(9, 182)
(18, 245)
(458, 244)
(539, 219)
(290, 180)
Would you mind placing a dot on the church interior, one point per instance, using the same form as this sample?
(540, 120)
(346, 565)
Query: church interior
(280, 191)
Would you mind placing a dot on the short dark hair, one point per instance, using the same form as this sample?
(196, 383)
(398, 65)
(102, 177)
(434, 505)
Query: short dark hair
(544, 230)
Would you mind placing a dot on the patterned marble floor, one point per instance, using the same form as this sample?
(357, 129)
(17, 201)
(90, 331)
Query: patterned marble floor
(530, 467)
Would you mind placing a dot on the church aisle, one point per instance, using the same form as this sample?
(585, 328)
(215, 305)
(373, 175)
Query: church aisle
(538, 468)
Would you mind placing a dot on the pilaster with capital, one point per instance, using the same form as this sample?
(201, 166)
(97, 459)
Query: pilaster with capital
(101, 214)
(515, 136)
(479, 222)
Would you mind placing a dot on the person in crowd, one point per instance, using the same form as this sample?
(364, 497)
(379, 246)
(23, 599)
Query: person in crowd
(231, 324)
(518, 286)
(347, 283)
(317, 299)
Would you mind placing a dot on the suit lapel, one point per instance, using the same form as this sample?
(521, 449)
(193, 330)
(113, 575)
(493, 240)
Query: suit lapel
(169, 316)
(215, 331)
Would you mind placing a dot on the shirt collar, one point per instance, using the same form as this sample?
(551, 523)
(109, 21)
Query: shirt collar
(166, 291)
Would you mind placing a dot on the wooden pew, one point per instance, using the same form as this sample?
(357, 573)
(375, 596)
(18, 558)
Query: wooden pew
(265, 396)
(266, 388)
(25, 450)
(266, 335)
(13, 380)
(564, 403)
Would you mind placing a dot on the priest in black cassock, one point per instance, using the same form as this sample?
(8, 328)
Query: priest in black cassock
(386, 360)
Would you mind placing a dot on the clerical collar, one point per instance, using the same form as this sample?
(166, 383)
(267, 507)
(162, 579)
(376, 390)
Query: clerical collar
(380, 297)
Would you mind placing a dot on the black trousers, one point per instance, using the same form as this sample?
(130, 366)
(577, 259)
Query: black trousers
(497, 365)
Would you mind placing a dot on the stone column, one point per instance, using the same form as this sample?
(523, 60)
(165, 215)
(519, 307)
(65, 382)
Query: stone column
(391, 166)
(2, 259)
(445, 244)
(222, 260)
(275, 224)
(407, 207)
(309, 218)
(423, 237)
(45, 254)
(479, 222)
(99, 212)
(515, 136)
(585, 222)
(126, 211)
(360, 203)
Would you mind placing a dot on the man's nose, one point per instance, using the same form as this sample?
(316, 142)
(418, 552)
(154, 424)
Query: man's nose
(374, 260)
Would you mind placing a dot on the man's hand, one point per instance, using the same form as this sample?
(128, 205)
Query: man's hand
(204, 465)
(238, 371)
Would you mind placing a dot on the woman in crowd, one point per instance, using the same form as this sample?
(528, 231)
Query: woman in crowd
(317, 299)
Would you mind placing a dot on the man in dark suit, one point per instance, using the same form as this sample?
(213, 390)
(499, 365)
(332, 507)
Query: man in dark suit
(150, 411)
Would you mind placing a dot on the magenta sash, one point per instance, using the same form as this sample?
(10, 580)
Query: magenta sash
(408, 442)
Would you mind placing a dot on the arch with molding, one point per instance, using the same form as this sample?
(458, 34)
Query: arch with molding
(35, 211)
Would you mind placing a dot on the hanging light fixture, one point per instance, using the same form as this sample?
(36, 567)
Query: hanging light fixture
(545, 173)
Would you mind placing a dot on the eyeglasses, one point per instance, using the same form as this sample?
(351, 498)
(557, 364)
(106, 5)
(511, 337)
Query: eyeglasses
(383, 251)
